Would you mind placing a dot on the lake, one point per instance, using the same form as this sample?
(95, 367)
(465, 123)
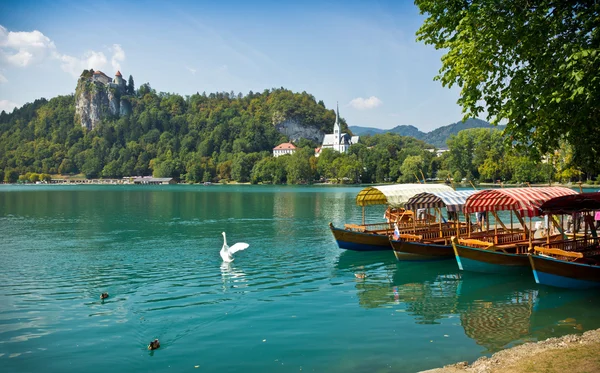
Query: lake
(290, 302)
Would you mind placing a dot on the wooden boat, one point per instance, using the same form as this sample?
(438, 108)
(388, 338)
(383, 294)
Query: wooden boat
(371, 237)
(432, 242)
(574, 261)
(503, 250)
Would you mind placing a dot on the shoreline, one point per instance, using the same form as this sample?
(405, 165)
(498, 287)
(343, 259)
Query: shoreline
(570, 352)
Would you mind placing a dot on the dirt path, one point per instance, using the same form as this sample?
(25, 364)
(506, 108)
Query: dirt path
(571, 353)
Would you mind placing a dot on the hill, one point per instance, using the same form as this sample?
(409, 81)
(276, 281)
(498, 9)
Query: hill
(436, 137)
(201, 137)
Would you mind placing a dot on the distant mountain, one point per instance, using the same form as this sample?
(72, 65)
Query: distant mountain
(411, 131)
(436, 137)
(363, 131)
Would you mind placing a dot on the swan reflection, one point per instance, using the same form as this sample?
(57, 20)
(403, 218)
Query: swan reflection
(233, 277)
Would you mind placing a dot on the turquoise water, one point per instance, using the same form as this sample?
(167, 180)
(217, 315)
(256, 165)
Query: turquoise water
(290, 302)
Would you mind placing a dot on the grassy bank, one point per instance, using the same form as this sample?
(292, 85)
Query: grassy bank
(571, 353)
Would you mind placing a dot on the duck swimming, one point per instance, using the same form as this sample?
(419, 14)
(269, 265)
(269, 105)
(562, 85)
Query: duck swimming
(154, 345)
(104, 296)
(360, 275)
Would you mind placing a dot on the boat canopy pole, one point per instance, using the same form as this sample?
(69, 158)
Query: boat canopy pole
(550, 219)
(439, 210)
(363, 215)
(495, 222)
(468, 219)
(522, 223)
(530, 238)
(496, 218)
(585, 222)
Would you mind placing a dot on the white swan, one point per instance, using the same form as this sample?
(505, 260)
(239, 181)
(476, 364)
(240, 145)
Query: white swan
(227, 252)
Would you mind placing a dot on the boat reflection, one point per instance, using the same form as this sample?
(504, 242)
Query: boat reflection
(427, 290)
(356, 259)
(495, 311)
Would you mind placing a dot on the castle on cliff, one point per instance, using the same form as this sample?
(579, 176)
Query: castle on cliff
(98, 96)
(118, 81)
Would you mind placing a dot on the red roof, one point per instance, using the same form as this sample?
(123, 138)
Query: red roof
(526, 201)
(284, 146)
(118, 73)
(98, 72)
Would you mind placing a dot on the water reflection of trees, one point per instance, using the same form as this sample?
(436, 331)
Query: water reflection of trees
(495, 311)
(428, 298)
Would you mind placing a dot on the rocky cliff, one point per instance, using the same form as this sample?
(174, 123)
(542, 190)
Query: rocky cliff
(96, 100)
(295, 130)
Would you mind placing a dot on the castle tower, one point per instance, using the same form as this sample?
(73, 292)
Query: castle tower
(118, 80)
(336, 129)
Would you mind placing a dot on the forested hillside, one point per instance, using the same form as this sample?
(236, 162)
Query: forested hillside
(219, 136)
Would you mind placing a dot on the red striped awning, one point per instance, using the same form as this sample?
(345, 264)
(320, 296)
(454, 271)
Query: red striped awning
(525, 201)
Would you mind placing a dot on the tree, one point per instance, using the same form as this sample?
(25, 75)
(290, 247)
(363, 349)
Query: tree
(130, 86)
(535, 65)
(11, 176)
(411, 168)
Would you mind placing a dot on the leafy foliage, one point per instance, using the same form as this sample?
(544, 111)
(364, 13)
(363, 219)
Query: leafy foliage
(533, 64)
(198, 138)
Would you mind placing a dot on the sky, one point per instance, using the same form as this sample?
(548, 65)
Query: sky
(361, 55)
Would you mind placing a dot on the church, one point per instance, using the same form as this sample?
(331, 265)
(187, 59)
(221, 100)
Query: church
(337, 141)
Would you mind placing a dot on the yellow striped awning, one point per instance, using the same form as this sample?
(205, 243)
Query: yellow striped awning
(395, 195)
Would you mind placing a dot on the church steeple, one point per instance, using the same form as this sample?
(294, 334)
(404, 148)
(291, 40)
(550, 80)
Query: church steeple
(336, 128)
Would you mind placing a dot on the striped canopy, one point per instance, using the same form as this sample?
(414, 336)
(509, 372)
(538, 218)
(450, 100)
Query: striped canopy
(572, 203)
(451, 200)
(525, 201)
(395, 195)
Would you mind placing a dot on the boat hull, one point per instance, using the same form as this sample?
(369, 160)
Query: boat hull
(559, 273)
(419, 251)
(360, 241)
(487, 261)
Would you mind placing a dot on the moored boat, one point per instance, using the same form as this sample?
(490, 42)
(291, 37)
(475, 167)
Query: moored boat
(432, 242)
(503, 250)
(372, 237)
(574, 261)
(481, 256)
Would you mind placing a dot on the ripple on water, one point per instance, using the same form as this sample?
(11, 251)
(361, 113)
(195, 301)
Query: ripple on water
(291, 299)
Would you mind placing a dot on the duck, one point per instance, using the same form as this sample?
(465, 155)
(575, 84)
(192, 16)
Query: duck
(361, 275)
(103, 295)
(154, 345)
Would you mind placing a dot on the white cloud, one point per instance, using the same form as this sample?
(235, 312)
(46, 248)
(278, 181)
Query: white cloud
(118, 57)
(3, 79)
(7, 106)
(365, 103)
(192, 70)
(74, 65)
(23, 49)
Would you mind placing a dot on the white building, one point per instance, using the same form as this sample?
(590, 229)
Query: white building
(285, 148)
(340, 142)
